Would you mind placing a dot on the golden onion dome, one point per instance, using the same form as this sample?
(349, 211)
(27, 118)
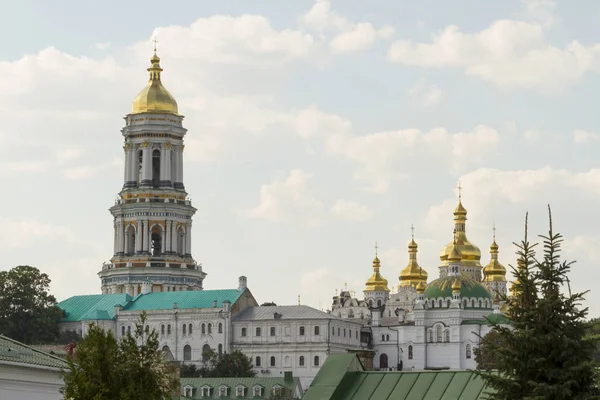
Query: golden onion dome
(456, 285)
(494, 271)
(421, 287)
(469, 253)
(413, 273)
(376, 282)
(154, 98)
(454, 256)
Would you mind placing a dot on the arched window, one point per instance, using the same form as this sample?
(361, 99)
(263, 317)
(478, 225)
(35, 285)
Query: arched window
(156, 234)
(257, 362)
(209, 327)
(430, 336)
(479, 303)
(129, 330)
(438, 334)
(332, 331)
(447, 336)
(468, 351)
(317, 361)
(383, 361)
(378, 303)
(448, 303)
(168, 329)
(220, 327)
(440, 303)
(258, 331)
(140, 165)
(123, 330)
(180, 241)
(371, 303)
(473, 303)
(205, 352)
(344, 332)
(156, 168)
(166, 349)
(243, 330)
(432, 303)
(190, 329)
(301, 361)
(272, 361)
(350, 314)
(387, 338)
(272, 331)
(130, 240)
(383, 338)
(316, 330)
(220, 348)
(203, 329)
(184, 329)
(162, 329)
(465, 303)
(187, 352)
(339, 334)
(410, 352)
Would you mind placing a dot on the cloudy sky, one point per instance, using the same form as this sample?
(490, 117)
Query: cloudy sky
(315, 130)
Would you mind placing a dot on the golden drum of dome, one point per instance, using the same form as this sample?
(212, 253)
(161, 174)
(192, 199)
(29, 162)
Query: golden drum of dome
(154, 98)
(412, 274)
(376, 282)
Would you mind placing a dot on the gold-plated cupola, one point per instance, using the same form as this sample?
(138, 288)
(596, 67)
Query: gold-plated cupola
(154, 98)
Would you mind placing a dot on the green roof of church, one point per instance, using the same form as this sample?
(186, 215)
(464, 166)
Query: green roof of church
(266, 382)
(92, 307)
(16, 352)
(442, 287)
(102, 306)
(339, 378)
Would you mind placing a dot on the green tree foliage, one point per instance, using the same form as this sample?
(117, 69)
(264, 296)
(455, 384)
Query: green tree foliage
(225, 365)
(546, 351)
(134, 368)
(268, 303)
(28, 312)
(484, 357)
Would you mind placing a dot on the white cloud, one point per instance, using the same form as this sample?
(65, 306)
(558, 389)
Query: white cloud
(288, 199)
(581, 136)
(102, 46)
(425, 94)
(22, 233)
(541, 11)
(320, 18)
(507, 53)
(311, 278)
(86, 171)
(386, 156)
(531, 135)
(351, 211)
(314, 122)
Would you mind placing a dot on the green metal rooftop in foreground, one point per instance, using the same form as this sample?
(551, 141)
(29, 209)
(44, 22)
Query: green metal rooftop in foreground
(343, 377)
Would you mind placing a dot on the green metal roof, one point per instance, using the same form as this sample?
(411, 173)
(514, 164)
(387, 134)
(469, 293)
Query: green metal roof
(492, 318)
(92, 307)
(16, 352)
(442, 287)
(267, 384)
(184, 299)
(363, 385)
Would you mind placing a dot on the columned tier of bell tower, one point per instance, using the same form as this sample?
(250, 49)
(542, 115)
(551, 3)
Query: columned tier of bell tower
(152, 215)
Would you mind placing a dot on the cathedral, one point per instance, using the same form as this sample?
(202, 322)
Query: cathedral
(435, 325)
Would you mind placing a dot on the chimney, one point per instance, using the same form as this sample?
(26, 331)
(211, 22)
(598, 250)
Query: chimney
(243, 283)
(288, 376)
(215, 304)
(146, 287)
(226, 305)
(174, 306)
(118, 308)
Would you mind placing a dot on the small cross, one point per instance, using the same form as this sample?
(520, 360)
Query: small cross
(346, 286)
(494, 229)
(459, 191)
(412, 229)
(155, 43)
(454, 234)
(376, 247)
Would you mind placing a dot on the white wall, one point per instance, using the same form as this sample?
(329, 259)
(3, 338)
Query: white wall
(29, 383)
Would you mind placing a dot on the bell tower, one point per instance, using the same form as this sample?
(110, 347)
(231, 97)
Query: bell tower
(152, 215)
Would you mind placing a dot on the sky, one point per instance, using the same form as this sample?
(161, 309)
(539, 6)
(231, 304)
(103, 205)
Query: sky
(315, 130)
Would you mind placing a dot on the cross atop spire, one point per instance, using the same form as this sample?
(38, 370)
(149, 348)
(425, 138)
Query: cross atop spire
(376, 248)
(494, 230)
(459, 191)
(412, 229)
(155, 43)
(454, 236)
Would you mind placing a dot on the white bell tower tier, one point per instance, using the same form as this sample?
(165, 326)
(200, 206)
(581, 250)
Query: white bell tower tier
(152, 215)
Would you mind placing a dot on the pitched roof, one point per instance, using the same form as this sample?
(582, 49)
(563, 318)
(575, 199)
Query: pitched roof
(16, 352)
(267, 383)
(340, 379)
(184, 299)
(286, 312)
(92, 307)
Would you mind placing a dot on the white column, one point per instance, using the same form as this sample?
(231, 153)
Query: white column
(180, 164)
(147, 163)
(127, 173)
(133, 166)
(188, 239)
(178, 159)
(144, 235)
(119, 237)
(163, 240)
(138, 237)
(116, 245)
(167, 163)
(167, 242)
(174, 237)
(163, 162)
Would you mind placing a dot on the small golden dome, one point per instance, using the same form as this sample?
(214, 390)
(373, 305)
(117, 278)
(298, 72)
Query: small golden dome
(460, 210)
(454, 256)
(421, 287)
(469, 253)
(154, 98)
(376, 282)
(494, 271)
(456, 285)
(412, 274)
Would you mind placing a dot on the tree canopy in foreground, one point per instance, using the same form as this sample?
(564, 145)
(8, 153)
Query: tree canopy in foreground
(546, 351)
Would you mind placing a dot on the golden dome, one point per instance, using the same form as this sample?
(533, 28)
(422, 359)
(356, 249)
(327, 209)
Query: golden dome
(154, 98)
(469, 253)
(376, 282)
(413, 273)
(494, 271)
(454, 256)
(456, 285)
(420, 287)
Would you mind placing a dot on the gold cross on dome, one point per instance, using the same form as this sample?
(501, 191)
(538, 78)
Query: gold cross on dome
(494, 229)
(459, 191)
(412, 229)
(155, 43)
(376, 248)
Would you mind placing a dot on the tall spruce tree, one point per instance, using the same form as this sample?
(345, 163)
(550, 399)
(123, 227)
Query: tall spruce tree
(545, 352)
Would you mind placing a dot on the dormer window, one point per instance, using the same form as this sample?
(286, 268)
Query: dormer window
(223, 391)
(188, 391)
(206, 391)
(240, 391)
(257, 391)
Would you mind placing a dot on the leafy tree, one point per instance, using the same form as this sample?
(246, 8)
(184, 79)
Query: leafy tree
(545, 352)
(283, 393)
(189, 371)
(268, 303)
(484, 357)
(28, 313)
(134, 368)
(226, 365)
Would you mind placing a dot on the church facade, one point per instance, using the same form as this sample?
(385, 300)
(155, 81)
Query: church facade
(435, 325)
